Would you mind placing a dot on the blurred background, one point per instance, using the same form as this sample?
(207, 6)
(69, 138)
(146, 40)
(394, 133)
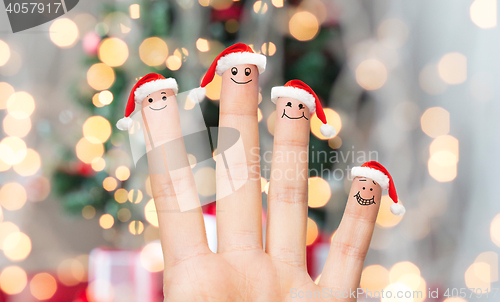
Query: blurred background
(408, 83)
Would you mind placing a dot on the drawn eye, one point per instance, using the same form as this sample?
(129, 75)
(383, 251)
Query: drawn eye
(363, 188)
(150, 100)
(248, 71)
(301, 106)
(371, 189)
(234, 70)
(164, 98)
(289, 104)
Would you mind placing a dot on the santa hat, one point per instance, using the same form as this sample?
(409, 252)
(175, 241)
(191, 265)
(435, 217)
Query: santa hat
(299, 90)
(147, 84)
(236, 54)
(375, 171)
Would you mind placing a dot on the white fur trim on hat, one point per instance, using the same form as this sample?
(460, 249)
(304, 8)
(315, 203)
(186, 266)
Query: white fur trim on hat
(124, 123)
(197, 94)
(398, 209)
(239, 58)
(294, 93)
(327, 130)
(145, 89)
(373, 174)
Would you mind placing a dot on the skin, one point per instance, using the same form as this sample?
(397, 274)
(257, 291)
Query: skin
(242, 270)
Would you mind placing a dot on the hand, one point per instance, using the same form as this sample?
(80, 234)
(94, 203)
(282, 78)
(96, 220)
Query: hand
(242, 270)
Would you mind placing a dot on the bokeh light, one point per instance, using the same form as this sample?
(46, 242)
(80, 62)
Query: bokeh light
(202, 45)
(440, 172)
(205, 181)
(268, 49)
(452, 68)
(109, 184)
(153, 51)
(16, 127)
(100, 76)
(260, 7)
(16, 246)
(87, 149)
(490, 258)
(483, 13)
(113, 52)
(319, 192)
(400, 269)
(71, 272)
(151, 257)
(221, 4)
(444, 150)
(20, 105)
(371, 74)
(385, 218)
(173, 63)
(106, 221)
(12, 150)
(335, 142)
(135, 11)
(4, 53)
(88, 212)
(374, 278)
(478, 275)
(13, 280)
(6, 228)
(30, 164)
(122, 173)
(312, 231)
(98, 164)
(124, 214)
(495, 230)
(333, 119)
(12, 196)
(213, 88)
(6, 90)
(277, 3)
(63, 32)
(121, 195)
(43, 286)
(136, 227)
(435, 121)
(150, 213)
(232, 26)
(135, 196)
(97, 127)
(303, 26)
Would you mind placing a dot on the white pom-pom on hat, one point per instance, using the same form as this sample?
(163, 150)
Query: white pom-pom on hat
(197, 94)
(327, 130)
(124, 123)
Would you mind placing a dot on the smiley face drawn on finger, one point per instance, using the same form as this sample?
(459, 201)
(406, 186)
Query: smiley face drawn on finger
(242, 74)
(366, 194)
(301, 108)
(157, 100)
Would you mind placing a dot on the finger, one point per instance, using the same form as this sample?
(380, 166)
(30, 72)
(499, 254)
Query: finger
(239, 203)
(182, 234)
(351, 241)
(287, 199)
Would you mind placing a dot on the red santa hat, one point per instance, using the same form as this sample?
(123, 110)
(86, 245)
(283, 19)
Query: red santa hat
(147, 84)
(375, 171)
(299, 90)
(236, 54)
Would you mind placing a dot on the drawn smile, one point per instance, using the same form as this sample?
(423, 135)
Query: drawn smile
(294, 118)
(159, 108)
(364, 202)
(241, 83)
